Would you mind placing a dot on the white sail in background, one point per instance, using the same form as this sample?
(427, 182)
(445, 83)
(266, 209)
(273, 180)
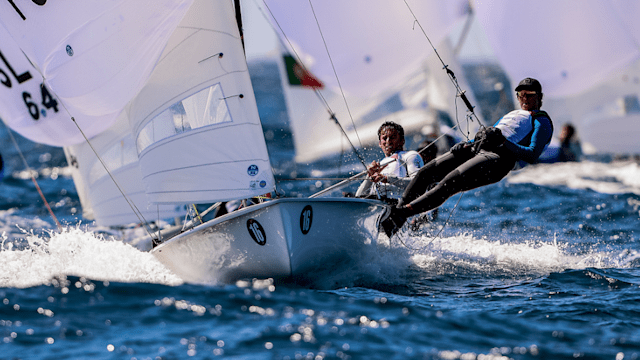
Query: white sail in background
(101, 199)
(585, 55)
(196, 122)
(569, 47)
(380, 57)
(94, 56)
(373, 43)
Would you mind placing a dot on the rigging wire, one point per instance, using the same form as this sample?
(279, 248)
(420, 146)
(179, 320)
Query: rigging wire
(452, 76)
(332, 115)
(133, 206)
(461, 93)
(33, 179)
(334, 72)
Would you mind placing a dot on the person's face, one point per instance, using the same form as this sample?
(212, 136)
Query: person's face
(390, 141)
(529, 100)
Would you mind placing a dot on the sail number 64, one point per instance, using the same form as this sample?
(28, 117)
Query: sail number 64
(48, 101)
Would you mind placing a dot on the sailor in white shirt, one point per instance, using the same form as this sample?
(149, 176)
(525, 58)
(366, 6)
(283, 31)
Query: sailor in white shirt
(389, 177)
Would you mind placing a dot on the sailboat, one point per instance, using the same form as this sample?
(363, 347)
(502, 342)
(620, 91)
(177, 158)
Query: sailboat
(172, 115)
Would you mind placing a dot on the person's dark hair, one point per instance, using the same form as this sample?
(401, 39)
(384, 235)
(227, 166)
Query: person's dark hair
(570, 130)
(391, 124)
(567, 135)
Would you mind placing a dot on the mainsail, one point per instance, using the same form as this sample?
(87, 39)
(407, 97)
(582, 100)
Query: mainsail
(172, 73)
(91, 58)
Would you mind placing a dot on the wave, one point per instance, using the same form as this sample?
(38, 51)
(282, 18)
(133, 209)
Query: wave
(396, 262)
(78, 253)
(608, 178)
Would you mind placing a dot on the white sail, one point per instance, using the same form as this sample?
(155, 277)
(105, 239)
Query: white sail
(28, 106)
(585, 55)
(374, 43)
(382, 60)
(94, 55)
(102, 200)
(196, 122)
(568, 46)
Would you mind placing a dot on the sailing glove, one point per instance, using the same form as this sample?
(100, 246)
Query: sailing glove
(460, 147)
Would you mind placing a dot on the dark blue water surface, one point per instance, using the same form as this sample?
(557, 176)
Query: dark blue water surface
(543, 265)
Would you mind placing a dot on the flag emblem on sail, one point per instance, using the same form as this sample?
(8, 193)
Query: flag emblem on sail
(298, 75)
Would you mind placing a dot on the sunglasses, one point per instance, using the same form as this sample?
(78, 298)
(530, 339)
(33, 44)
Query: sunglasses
(524, 96)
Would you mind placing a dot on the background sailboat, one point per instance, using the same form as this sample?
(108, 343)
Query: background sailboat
(370, 73)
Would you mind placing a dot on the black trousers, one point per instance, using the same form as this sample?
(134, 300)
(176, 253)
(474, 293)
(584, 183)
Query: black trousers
(452, 173)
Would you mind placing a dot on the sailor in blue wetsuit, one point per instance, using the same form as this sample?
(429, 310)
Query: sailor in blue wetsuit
(519, 135)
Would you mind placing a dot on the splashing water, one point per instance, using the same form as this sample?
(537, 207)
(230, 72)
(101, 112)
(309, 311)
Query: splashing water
(79, 253)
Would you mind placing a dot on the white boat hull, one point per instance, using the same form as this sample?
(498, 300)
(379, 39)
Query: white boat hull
(277, 239)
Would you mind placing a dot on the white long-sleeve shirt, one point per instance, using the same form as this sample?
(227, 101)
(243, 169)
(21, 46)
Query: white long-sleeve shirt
(403, 165)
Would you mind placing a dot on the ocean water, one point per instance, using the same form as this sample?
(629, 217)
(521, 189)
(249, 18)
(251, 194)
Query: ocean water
(542, 265)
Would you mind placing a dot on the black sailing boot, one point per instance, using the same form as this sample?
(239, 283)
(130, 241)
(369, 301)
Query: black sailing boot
(397, 217)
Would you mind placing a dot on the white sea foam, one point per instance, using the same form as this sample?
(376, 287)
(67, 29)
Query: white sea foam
(78, 253)
(465, 254)
(608, 178)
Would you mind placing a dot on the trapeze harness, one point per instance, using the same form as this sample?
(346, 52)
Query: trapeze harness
(527, 134)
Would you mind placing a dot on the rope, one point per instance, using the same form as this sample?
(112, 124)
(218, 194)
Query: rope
(33, 179)
(441, 229)
(133, 206)
(334, 72)
(452, 77)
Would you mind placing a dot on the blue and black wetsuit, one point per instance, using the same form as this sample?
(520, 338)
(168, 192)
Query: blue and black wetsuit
(527, 134)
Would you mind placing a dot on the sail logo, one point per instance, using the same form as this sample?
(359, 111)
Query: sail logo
(252, 170)
(306, 218)
(257, 232)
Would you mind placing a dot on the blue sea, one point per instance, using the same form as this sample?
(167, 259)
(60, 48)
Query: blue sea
(542, 265)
